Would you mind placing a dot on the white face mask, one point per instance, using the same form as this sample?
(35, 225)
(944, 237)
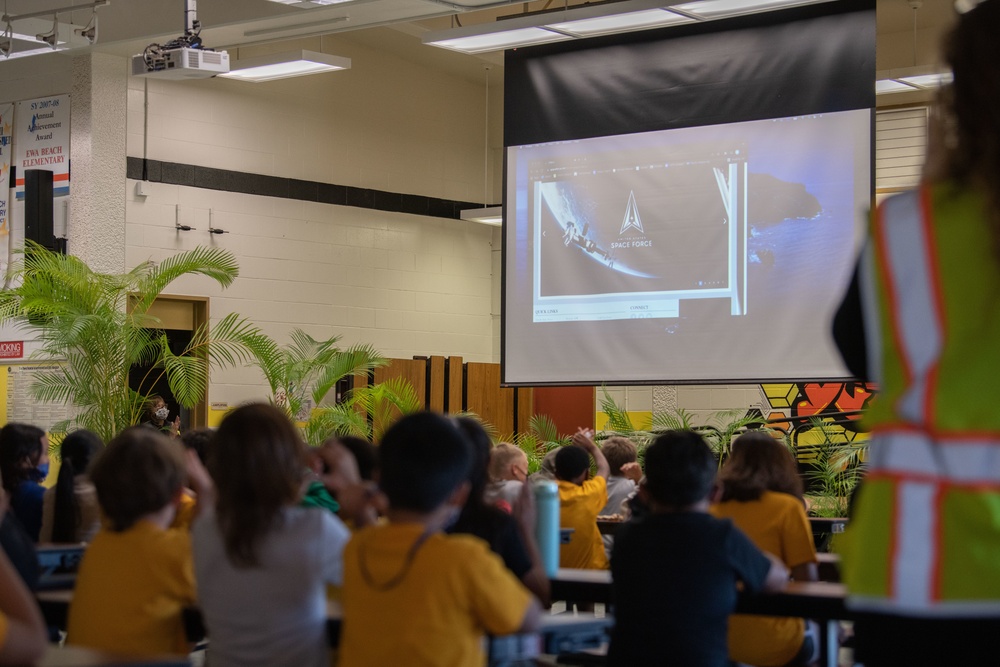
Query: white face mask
(162, 413)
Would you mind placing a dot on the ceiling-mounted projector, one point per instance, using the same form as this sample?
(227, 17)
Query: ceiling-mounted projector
(180, 63)
(182, 58)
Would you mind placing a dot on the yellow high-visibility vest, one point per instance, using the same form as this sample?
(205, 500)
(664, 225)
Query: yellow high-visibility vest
(925, 535)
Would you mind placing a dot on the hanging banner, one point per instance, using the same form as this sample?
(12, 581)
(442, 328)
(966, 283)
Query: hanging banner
(6, 127)
(42, 141)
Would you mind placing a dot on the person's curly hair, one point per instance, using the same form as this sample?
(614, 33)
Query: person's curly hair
(971, 107)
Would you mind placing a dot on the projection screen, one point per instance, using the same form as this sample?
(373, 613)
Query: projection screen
(691, 253)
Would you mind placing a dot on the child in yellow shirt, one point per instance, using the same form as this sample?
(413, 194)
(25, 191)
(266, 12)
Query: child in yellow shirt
(580, 501)
(413, 595)
(136, 576)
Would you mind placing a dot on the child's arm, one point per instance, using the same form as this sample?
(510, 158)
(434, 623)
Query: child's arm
(777, 575)
(532, 617)
(584, 438)
(342, 479)
(26, 637)
(199, 481)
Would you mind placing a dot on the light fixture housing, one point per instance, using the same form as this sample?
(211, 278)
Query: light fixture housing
(487, 215)
(591, 20)
(284, 66)
(307, 4)
(910, 80)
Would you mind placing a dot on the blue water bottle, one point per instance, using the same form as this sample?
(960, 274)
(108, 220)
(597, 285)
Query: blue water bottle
(547, 524)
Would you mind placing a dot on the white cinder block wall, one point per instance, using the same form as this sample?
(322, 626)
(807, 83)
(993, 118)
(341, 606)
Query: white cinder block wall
(407, 284)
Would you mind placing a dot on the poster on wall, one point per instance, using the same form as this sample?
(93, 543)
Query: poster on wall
(42, 141)
(20, 405)
(6, 144)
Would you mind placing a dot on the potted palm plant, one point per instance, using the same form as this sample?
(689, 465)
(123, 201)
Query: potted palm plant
(302, 373)
(98, 326)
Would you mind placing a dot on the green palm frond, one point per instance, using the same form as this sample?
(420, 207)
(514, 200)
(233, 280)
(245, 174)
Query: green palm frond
(677, 420)
(82, 318)
(336, 420)
(618, 418)
(545, 428)
(215, 263)
(352, 361)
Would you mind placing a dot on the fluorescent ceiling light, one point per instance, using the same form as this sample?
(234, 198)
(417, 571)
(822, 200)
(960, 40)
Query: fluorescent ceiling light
(488, 215)
(285, 66)
(498, 40)
(306, 4)
(935, 80)
(887, 86)
(716, 9)
(602, 25)
(589, 20)
(910, 80)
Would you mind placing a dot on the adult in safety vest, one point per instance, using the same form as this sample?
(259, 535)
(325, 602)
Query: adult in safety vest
(922, 552)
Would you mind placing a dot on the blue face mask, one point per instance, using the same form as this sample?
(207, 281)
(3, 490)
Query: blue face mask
(42, 471)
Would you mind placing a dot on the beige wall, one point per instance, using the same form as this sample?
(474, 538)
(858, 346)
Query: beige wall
(406, 284)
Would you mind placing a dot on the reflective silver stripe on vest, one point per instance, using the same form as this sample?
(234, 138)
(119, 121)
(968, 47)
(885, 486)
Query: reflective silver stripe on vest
(956, 460)
(915, 317)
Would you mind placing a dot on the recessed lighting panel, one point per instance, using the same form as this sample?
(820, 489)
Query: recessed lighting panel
(508, 39)
(285, 66)
(887, 86)
(306, 4)
(929, 80)
(651, 18)
(713, 9)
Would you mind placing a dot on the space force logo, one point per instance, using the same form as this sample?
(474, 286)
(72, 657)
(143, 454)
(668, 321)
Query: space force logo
(632, 219)
(632, 223)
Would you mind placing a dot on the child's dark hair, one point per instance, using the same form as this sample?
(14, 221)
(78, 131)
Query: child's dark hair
(257, 461)
(138, 473)
(477, 517)
(76, 451)
(680, 469)
(422, 460)
(758, 463)
(571, 462)
(17, 443)
(198, 439)
(364, 453)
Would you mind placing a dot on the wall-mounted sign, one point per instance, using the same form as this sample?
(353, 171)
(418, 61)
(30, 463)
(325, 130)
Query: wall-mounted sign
(12, 349)
(42, 141)
(6, 145)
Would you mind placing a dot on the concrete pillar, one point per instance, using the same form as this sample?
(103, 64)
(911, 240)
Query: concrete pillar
(96, 228)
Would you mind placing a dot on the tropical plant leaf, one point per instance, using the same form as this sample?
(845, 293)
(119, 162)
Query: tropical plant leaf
(618, 418)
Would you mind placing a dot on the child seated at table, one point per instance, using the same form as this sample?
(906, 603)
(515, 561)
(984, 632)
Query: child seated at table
(136, 576)
(580, 500)
(412, 594)
(508, 470)
(762, 496)
(675, 570)
(262, 561)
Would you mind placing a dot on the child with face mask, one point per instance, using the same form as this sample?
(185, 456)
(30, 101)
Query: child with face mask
(24, 463)
(157, 412)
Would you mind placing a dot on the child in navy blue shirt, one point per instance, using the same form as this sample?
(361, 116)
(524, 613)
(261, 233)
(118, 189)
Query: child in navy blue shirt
(676, 569)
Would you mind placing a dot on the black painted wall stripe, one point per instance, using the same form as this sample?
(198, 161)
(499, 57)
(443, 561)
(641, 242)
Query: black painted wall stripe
(175, 173)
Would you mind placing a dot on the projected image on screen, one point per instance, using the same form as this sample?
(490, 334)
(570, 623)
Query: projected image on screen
(630, 234)
(705, 253)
